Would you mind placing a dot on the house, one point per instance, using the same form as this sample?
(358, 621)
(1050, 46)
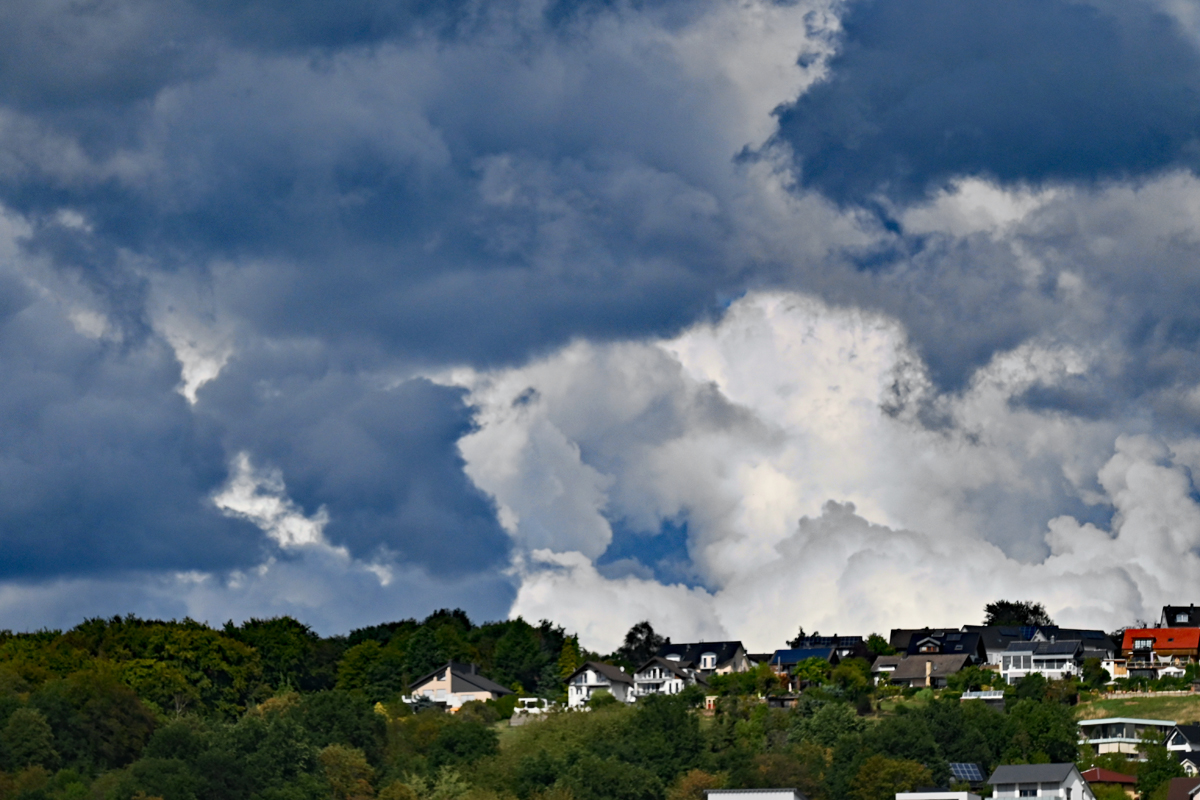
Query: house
(1153, 652)
(948, 642)
(996, 639)
(1120, 734)
(784, 661)
(1060, 781)
(455, 684)
(663, 676)
(708, 658)
(1183, 742)
(883, 667)
(936, 795)
(593, 677)
(1095, 644)
(931, 671)
(1182, 788)
(1106, 777)
(1180, 617)
(753, 794)
(846, 646)
(1052, 659)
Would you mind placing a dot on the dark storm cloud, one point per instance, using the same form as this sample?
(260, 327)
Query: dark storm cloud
(102, 463)
(383, 461)
(1019, 91)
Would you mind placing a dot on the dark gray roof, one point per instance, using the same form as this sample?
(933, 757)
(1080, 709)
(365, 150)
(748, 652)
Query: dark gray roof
(1031, 773)
(1171, 613)
(667, 664)
(911, 667)
(1068, 648)
(949, 641)
(995, 637)
(615, 674)
(463, 678)
(1190, 732)
(689, 653)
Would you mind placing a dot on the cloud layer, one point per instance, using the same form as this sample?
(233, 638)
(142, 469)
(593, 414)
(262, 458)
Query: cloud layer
(732, 314)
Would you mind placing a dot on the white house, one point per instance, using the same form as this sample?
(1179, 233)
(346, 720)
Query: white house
(753, 794)
(1060, 781)
(1121, 734)
(936, 796)
(708, 657)
(663, 676)
(593, 677)
(1183, 742)
(455, 684)
(1054, 660)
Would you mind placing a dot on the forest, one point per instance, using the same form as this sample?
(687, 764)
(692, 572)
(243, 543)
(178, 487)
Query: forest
(132, 709)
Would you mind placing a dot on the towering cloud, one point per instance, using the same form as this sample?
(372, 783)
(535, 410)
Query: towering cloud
(704, 311)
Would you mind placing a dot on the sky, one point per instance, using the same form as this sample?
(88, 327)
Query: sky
(735, 316)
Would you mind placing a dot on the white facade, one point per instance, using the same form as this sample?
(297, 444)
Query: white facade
(936, 796)
(1070, 787)
(753, 794)
(1120, 734)
(587, 681)
(1022, 659)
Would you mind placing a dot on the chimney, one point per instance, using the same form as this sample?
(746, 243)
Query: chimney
(929, 672)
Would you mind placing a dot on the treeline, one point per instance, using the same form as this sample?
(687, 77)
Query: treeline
(129, 709)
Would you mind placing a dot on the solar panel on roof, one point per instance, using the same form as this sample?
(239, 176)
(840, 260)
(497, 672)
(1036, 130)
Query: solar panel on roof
(966, 771)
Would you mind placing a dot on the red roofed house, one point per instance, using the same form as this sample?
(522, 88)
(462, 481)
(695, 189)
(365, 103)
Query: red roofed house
(1106, 777)
(1154, 652)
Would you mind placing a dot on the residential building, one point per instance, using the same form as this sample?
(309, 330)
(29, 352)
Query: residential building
(784, 661)
(455, 684)
(663, 676)
(1060, 781)
(1120, 734)
(883, 667)
(996, 639)
(927, 670)
(708, 658)
(1183, 742)
(753, 794)
(1183, 788)
(948, 642)
(936, 795)
(1095, 644)
(1154, 652)
(1107, 777)
(846, 646)
(1053, 660)
(593, 677)
(1180, 617)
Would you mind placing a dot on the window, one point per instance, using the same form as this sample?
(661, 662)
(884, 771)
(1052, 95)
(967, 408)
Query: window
(1181, 617)
(1143, 644)
(708, 661)
(1028, 791)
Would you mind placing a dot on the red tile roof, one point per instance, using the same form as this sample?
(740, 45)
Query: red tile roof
(1164, 638)
(1098, 775)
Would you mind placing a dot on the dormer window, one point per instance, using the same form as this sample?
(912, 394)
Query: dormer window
(1181, 618)
(708, 661)
(673, 657)
(1143, 644)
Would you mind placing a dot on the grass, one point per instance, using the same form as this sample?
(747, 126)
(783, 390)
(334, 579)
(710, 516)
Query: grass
(1178, 709)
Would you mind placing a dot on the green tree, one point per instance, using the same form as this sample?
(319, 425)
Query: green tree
(1157, 768)
(286, 648)
(518, 657)
(814, 670)
(1032, 687)
(378, 672)
(879, 646)
(347, 771)
(28, 740)
(570, 659)
(1016, 612)
(880, 778)
(1095, 676)
(827, 725)
(595, 778)
(463, 742)
(423, 653)
(971, 679)
(640, 645)
(1043, 732)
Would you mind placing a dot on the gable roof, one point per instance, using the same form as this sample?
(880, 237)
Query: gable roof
(671, 666)
(789, 658)
(911, 667)
(463, 678)
(1190, 733)
(614, 674)
(1182, 788)
(1031, 773)
(689, 653)
(1099, 775)
(900, 637)
(1089, 639)
(1164, 638)
(827, 641)
(995, 637)
(948, 641)
(1065, 648)
(1191, 616)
